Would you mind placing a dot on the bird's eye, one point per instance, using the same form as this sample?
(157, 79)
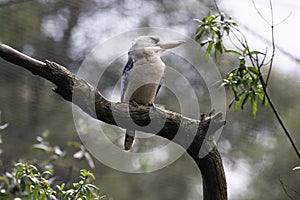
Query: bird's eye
(155, 39)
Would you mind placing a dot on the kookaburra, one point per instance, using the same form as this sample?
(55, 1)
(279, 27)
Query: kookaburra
(143, 74)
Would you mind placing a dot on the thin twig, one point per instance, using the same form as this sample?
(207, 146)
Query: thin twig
(285, 187)
(242, 34)
(263, 83)
(264, 58)
(217, 7)
(277, 115)
(273, 43)
(285, 191)
(233, 43)
(259, 13)
(284, 19)
(264, 39)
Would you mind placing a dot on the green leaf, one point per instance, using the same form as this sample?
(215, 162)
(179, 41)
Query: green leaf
(3, 126)
(32, 167)
(237, 101)
(253, 70)
(219, 47)
(262, 97)
(4, 179)
(58, 151)
(242, 60)
(36, 192)
(208, 50)
(42, 197)
(45, 134)
(210, 18)
(198, 29)
(296, 168)
(23, 183)
(42, 147)
(73, 144)
(200, 35)
(265, 102)
(197, 20)
(92, 186)
(60, 187)
(34, 180)
(205, 42)
(227, 29)
(253, 104)
(256, 52)
(246, 97)
(79, 154)
(245, 50)
(88, 157)
(233, 51)
(20, 165)
(46, 173)
(236, 105)
(214, 30)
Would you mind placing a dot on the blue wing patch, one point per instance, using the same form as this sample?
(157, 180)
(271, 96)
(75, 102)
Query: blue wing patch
(128, 65)
(124, 80)
(159, 86)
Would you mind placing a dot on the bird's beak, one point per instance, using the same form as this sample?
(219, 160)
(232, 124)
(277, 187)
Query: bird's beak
(170, 45)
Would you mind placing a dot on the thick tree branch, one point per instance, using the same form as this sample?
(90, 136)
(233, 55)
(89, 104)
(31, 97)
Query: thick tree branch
(89, 99)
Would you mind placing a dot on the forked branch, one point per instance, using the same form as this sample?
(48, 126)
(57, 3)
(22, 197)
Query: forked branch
(88, 98)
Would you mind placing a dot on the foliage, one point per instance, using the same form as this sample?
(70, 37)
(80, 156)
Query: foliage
(245, 79)
(2, 127)
(55, 152)
(27, 181)
(296, 168)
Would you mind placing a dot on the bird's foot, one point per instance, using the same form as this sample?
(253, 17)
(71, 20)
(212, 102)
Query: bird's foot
(152, 105)
(157, 106)
(202, 117)
(212, 112)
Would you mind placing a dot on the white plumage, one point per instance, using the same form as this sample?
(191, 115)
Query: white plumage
(143, 74)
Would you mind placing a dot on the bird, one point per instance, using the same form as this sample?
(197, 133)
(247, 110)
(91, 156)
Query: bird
(142, 75)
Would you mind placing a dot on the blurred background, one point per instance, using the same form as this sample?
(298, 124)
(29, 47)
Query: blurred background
(257, 155)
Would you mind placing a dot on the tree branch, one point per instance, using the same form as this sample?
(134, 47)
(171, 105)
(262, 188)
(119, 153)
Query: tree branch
(88, 98)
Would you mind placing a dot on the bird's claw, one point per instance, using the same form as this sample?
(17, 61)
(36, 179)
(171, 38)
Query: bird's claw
(212, 112)
(152, 105)
(202, 116)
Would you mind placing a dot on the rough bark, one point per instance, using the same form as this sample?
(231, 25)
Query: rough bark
(88, 98)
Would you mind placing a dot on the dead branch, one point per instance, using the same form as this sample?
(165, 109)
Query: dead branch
(88, 98)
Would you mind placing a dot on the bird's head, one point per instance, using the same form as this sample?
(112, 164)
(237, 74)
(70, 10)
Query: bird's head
(145, 45)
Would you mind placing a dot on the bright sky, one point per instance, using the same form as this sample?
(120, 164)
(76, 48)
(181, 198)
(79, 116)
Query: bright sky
(286, 13)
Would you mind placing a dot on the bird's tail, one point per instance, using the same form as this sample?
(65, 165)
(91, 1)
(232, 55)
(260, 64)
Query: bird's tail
(129, 139)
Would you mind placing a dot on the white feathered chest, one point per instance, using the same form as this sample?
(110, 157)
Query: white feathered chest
(143, 80)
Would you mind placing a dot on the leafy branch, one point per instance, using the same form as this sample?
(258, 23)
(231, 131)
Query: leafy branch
(36, 185)
(29, 181)
(245, 80)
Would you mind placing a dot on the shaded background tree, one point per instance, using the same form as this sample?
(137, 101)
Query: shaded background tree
(254, 151)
